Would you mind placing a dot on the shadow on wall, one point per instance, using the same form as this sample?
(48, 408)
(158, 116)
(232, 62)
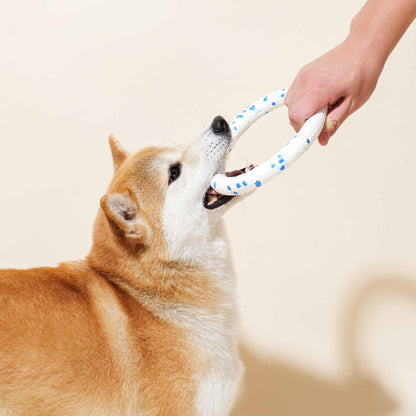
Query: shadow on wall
(276, 388)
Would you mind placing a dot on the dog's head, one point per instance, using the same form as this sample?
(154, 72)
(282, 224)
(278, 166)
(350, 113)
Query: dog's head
(161, 196)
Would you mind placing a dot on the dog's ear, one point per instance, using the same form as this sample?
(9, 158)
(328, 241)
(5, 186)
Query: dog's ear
(119, 154)
(123, 215)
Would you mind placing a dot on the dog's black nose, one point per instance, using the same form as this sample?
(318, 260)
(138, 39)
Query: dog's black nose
(220, 126)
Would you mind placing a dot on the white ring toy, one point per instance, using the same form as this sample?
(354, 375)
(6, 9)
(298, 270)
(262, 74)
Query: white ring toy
(299, 144)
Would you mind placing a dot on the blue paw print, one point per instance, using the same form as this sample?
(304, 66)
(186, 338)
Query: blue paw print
(257, 183)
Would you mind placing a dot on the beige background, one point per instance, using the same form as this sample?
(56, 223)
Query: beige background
(324, 254)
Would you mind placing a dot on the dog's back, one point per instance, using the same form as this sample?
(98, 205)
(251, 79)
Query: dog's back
(72, 343)
(50, 336)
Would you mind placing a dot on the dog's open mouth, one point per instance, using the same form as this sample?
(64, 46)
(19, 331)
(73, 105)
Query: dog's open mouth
(213, 199)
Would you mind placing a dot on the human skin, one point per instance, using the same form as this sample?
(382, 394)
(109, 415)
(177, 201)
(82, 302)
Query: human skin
(345, 77)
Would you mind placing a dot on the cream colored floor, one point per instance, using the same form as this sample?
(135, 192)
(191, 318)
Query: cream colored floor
(325, 254)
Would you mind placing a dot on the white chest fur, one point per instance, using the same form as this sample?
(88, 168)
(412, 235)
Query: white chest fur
(217, 336)
(218, 387)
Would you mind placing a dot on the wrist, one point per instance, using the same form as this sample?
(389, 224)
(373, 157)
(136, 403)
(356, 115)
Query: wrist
(379, 25)
(366, 48)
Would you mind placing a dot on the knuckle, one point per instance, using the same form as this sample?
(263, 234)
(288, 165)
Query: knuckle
(294, 116)
(304, 75)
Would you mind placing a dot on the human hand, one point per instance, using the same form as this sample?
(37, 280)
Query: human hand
(343, 79)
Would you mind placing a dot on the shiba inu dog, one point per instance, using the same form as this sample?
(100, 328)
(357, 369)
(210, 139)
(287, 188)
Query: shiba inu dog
(146, 324)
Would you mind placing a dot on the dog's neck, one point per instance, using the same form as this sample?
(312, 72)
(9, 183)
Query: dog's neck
(158, 280)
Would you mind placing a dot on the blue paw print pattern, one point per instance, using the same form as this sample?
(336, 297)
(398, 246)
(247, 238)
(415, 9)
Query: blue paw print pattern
(277, 163)
(255, 110)
(282, 162)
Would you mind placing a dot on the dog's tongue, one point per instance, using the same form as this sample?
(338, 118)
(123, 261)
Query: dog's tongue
(212, 191)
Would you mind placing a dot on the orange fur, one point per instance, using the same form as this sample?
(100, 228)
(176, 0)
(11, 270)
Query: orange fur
(92, 337)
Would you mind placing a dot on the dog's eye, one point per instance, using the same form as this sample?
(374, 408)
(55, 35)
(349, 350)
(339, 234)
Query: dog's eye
(174, 172)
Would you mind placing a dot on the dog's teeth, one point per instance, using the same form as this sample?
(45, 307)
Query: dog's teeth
(211, 199)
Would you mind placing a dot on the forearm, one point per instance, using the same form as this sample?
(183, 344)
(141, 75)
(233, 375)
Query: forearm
(379, 26)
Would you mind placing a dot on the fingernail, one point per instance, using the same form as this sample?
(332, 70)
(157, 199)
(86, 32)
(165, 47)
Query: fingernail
(334, 125)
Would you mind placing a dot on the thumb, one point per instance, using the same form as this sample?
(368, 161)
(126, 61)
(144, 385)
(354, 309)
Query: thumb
(304, 107)
(335, 117)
